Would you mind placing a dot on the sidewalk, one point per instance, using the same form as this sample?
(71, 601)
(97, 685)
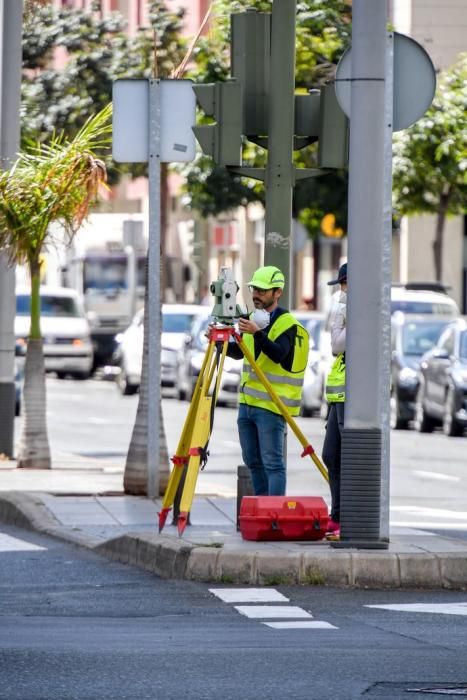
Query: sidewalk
(81, 501)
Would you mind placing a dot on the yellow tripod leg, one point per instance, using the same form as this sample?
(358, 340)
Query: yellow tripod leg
(200, 438)
(308, 449)
(181, 457)
(201, 434)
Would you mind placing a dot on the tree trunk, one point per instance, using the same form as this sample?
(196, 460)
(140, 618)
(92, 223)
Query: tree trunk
(438, 242)
(34, 452)
(135, 478)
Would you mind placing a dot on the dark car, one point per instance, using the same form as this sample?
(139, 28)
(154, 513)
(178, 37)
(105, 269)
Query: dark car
(411, 337)
(442, 393)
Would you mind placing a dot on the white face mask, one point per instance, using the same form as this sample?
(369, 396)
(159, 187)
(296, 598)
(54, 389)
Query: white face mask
(261, 318)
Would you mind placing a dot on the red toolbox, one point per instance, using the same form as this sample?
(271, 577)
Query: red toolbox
(283, 518)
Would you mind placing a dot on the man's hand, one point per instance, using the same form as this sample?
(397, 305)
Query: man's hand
(247, 326)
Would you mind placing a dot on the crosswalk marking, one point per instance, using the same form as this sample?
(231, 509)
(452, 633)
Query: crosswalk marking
(271, 611)
(301, 625)
(249, 595)
(293, 617)
(438, 608)
(14, 544)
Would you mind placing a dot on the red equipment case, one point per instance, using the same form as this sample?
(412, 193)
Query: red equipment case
(283, 518)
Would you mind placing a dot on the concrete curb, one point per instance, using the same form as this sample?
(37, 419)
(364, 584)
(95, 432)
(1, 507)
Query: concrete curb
(170, 557)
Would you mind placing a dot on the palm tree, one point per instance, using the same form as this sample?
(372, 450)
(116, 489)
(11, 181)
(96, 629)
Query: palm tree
(54, 182)
(135, 478)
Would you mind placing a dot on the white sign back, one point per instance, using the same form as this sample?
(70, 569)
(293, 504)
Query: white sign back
(130, 128)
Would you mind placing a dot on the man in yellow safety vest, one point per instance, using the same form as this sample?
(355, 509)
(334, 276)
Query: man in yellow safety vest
(335, 396)
(279, 344)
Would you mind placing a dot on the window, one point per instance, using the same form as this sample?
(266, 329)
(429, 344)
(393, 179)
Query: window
(105, 274)
(51, 305)
(463, 345)
(418, 338)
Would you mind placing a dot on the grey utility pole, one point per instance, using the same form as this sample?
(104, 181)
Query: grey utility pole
(11, 18)
(368, 292)
(280, 170)
(154, 293)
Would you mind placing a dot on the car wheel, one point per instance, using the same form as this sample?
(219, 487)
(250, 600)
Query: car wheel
(396, 422)
(181, 393)
(423, 422)
(451, 427)
(305, 411)
(124, 387)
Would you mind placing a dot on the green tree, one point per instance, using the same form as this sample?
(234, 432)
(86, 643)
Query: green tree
(323, 32)
(430, 158)
(96, 51)
(50, 182)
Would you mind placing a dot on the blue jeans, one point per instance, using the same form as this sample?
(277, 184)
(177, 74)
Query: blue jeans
(262, 436)
(332, 455)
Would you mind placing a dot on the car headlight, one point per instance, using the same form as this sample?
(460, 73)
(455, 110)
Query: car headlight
(408, 376)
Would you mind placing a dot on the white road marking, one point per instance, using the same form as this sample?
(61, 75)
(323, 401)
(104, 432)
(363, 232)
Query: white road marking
(437, 476)
(272, 611)
(301, 625)
(432, 512)
(13, 544)
(249, 595)
(438, 608)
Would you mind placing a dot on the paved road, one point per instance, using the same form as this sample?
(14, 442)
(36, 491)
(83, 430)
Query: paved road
(428, 472)
(77, 627)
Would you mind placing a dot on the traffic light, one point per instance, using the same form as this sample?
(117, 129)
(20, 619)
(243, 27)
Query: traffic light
(333, 141)
(250, 41)
(222, 140)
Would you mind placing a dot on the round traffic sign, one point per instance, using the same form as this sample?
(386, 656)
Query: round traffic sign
(414, 81)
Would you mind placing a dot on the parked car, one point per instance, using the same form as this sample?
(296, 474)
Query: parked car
(191, 360)
(318, 364)
(67, 339)
(442, 393)
(176, 322)
(411, 337)
(422, 301)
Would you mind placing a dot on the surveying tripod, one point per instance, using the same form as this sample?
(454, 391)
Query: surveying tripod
(192, 447)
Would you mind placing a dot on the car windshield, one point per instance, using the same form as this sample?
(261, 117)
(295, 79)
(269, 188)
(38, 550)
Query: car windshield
(418, 338)
(104, 274)
(463, 345)
(423, 307)
(51, 305)
(176, 323)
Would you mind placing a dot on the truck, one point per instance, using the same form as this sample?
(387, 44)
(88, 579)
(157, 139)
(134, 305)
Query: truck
(105, 263)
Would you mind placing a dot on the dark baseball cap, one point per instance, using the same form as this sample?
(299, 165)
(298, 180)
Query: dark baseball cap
(341, 275)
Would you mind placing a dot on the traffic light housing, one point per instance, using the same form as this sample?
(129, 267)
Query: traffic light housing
(222, 140)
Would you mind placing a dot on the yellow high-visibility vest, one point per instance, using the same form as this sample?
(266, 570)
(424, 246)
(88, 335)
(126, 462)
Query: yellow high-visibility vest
(335, 382)
(287, 384)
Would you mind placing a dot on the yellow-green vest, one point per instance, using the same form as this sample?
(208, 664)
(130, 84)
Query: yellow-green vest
(287, 385)
(335, 382)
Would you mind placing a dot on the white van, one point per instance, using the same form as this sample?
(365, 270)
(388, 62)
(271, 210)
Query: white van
(67, 339)
(422, 301)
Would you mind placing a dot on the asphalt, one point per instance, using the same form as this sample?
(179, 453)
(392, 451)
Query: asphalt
(81, 501)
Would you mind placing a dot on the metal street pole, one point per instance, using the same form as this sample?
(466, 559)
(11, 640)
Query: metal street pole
(367, 334)
(154, 294)
(280, 170)
(11, 18)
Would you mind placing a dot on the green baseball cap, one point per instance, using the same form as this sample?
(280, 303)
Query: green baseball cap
(267, 277)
